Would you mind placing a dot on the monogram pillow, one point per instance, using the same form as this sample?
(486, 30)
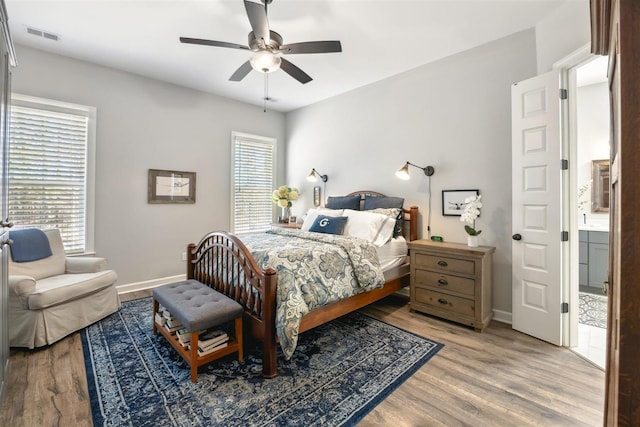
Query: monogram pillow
(329, 224)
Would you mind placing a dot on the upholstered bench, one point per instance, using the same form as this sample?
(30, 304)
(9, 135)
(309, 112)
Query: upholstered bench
(198, 307)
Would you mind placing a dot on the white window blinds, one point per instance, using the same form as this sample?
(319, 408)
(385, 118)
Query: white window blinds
(253, 160)
(47, 172)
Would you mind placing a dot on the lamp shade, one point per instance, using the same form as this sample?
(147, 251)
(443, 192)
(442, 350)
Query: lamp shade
(403, 172)
(265, 61)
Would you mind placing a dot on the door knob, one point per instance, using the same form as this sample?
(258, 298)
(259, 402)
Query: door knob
(516, 237)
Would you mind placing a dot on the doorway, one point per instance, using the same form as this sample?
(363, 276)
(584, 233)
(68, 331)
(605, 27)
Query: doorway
(591, 160)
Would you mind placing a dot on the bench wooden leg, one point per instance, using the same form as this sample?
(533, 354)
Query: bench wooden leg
(194, 356)
(156, 305)
(239, 339)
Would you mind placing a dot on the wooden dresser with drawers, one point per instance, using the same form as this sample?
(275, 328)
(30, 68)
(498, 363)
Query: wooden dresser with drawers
(452, 281)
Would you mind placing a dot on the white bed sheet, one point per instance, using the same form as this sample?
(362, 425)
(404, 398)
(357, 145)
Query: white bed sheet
(393, 253)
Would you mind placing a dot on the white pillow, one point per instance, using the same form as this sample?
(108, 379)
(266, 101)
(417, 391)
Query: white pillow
(312, 214)
(374, 227)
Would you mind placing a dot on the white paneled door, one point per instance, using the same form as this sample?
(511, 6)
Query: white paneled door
(536, 198)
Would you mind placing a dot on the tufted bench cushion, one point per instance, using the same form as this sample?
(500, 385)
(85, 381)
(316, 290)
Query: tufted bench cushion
(196, 305)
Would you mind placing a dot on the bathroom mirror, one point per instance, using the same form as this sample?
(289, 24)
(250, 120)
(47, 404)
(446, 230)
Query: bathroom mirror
(600, 187)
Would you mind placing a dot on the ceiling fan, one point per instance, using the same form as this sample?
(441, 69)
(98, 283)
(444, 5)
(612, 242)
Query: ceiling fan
(267, 46)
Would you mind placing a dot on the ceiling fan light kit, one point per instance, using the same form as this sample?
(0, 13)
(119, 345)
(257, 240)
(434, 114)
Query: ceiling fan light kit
(265, 61)
(268, 47)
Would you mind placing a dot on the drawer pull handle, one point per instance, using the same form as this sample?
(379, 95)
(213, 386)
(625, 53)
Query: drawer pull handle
(443, 282)
(442, 263)
(443, 301)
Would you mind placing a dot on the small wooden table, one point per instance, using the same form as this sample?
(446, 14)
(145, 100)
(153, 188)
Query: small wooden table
(293, 225)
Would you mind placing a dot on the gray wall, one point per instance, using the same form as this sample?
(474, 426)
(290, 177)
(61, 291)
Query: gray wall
(147, 124)
(562, 32)
(453, 114)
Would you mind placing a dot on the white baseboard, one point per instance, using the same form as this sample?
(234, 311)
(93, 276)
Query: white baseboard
(147, 284)
(502, 316)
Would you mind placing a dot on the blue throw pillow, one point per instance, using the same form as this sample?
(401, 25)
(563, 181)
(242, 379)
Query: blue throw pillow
(329, 224)
(344, 202)
(29, 244)
(373, 202)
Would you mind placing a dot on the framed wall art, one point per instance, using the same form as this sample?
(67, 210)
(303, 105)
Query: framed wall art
(171, 186)
(453, 201)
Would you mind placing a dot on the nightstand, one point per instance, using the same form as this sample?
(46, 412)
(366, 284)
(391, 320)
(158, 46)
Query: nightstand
(286, 225)
(452, 281)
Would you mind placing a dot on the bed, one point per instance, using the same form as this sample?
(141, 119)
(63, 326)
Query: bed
(224, 262)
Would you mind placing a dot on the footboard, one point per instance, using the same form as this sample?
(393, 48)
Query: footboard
(223, 262)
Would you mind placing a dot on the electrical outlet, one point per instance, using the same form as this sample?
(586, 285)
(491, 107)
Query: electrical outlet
(184, 256)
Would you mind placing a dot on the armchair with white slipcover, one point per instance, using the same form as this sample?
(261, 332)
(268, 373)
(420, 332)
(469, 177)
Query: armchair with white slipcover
(52, 295)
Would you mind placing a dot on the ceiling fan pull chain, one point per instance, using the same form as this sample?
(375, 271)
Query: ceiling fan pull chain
(266, 91)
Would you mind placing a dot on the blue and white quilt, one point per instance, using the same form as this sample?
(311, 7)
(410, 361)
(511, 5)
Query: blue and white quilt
(314, 269)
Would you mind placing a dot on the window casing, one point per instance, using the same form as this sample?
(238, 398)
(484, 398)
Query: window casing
(51, 169)
(253, 166)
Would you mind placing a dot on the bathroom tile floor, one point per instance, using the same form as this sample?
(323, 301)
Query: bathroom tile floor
(592, 332)
(592, 344)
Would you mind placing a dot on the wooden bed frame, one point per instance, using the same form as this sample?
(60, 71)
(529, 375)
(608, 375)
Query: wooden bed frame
(223, 262)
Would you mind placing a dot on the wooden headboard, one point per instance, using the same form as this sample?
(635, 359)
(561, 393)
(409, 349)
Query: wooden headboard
(410, 215)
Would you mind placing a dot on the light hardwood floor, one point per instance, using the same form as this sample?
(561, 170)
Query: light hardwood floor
(496, 378)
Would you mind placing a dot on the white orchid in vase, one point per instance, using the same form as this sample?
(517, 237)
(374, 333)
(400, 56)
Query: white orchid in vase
(470, 214)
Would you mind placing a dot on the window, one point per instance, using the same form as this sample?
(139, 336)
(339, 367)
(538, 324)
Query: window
(252, 180)
(51, 162)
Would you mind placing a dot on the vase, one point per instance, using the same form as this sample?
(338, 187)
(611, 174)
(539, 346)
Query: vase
(285, 216)
(472, 241)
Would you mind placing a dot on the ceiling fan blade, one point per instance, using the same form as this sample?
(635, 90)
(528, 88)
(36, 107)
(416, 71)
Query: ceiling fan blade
(312, 47)
(257, 15)
(241, 72)
(294, 71)
(212, 43)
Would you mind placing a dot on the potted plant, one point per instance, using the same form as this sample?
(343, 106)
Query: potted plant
(469, 215)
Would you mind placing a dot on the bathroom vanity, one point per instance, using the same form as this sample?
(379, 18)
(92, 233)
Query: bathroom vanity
(594, 259)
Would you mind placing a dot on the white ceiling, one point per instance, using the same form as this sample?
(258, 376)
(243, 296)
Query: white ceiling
(379, 38)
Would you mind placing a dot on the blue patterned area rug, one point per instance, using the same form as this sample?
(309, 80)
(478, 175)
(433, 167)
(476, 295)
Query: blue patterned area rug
(338, 373)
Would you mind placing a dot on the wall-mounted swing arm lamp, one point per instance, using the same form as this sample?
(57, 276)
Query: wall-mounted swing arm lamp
(403, 172)
(314, 174)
